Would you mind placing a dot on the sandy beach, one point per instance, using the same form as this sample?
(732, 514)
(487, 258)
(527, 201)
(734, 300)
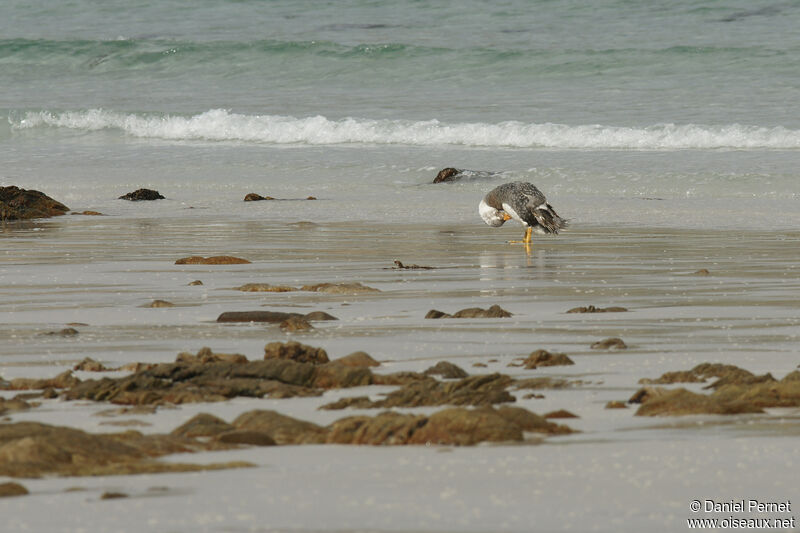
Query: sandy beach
(617, 472)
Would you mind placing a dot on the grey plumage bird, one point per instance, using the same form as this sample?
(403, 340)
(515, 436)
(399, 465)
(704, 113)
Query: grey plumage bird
(524, 203)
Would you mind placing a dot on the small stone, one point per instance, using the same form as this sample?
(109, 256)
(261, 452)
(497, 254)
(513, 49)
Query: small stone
(339, 288)
(480, 365)
(613, 343)
(533, 396)
(87, 213)
(616, 404)
(196, 282)
(113, 495)
(561, 413)
(160, 303)
(12, 489)
(702, 272)
(253, 197)
(311, 197)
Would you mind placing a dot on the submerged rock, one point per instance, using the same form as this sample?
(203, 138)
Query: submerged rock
(264, 287)
(213, 260)
(613, 343)
(400, 266)
(142, 194)
(339, 288)
(275, 317)
(24, 204)
(593, 309)
(13, 406)
(494, 311)
(160, 303)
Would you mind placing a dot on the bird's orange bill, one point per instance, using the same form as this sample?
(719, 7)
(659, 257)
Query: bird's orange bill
(506, 216)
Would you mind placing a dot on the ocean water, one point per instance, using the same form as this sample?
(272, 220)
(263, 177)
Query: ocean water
(681, 114)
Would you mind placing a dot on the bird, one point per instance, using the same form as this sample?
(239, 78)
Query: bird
(524, 203)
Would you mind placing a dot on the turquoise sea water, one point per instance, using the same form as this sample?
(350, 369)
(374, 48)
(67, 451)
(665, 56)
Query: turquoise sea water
(589, 100)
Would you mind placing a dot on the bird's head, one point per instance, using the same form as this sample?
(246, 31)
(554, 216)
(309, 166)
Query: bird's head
(493, 217)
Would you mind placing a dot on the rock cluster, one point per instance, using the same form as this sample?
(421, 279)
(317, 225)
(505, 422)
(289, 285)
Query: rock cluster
(735, 391)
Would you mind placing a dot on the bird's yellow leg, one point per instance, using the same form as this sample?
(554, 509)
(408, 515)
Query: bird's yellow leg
(526, 240)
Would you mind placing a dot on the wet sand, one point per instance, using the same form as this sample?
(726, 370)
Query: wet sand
(619, 473)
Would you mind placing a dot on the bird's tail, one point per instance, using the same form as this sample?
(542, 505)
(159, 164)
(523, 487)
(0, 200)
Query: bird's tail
(548, 219)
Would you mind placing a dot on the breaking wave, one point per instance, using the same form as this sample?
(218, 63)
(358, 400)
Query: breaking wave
(222, 125)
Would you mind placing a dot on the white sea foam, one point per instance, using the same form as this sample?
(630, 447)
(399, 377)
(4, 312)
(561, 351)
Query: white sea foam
(222, 125)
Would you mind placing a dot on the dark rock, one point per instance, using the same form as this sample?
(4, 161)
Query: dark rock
(447, 175)
(295, 351)
(545, 358)
(213, 260)
(433, 313)
(22, 204)
(195, 282)
(66, 332)
(12, 489)
(142, 194)
(253, 197)
(612, 343)
(593, 309)
(400, 266)
(202, 425)
(275, 317)
(446, 370)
